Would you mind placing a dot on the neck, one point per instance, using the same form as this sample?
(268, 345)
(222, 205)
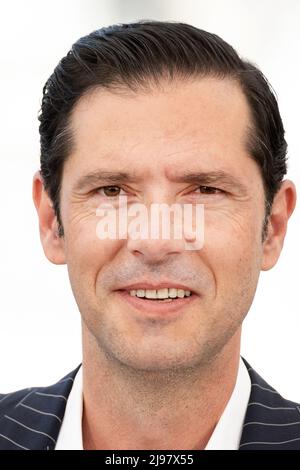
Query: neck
(125, 408)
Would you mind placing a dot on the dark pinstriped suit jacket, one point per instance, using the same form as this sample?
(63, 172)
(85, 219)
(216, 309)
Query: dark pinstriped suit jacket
(31, 418)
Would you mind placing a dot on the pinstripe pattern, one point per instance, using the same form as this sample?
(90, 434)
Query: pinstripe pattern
(31, 418)
(271, 422)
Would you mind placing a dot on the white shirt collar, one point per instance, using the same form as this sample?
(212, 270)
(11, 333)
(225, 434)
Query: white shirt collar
(228, 431)
(70, 434)
(226, 435)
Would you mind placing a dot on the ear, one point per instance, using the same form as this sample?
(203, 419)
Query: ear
(53, 245)
(282, 208)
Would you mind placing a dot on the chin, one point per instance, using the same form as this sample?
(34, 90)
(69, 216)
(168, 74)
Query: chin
(159, 361)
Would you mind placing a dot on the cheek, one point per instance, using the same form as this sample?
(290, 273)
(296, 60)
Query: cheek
(234, 230)
(233, 248)
(86, 253)
(232, 254)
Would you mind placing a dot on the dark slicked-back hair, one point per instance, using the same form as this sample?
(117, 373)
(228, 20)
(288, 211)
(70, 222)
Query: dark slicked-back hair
(142, 55)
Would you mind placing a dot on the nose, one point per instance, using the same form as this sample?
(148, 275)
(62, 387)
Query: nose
(153, 251)
(155, 247)
(161, 232)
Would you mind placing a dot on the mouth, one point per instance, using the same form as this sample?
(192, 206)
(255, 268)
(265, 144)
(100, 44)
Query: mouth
(160, 295)
(158, 301)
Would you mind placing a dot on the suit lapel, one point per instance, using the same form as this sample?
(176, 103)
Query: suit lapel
(271, 422)
(34, 422)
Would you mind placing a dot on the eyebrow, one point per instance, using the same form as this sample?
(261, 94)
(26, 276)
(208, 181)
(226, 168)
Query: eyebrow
(103, 177)
(210, 177)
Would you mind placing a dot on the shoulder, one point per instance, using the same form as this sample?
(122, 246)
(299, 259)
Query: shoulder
(271, 421)
(12, 399)
(265, 392)
(31, 418)
(15, 399)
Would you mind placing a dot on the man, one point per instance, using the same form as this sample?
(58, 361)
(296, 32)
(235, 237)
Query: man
(160, 113)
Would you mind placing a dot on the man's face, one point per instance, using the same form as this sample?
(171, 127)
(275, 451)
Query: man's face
(195, 127)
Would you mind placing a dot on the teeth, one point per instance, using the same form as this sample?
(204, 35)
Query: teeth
(133, 293)
(180, 293)
(173, 293)
(164, 293)
(150, 294)
(140, 293)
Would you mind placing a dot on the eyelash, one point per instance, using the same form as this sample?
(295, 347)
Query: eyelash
(210, 188)
(105, 187)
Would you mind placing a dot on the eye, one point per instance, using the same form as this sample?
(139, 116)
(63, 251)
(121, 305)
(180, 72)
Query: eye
(109, 191)
(209, 190)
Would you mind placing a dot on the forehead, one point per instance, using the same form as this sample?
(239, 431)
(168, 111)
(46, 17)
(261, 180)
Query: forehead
(204, 121)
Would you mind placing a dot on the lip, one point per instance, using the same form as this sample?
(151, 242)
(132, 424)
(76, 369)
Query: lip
(161, 285)
(146, 306)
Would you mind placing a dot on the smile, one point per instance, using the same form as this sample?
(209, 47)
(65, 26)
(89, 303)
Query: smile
(165, 294)
(170, 301)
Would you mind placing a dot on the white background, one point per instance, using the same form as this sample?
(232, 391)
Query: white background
(40, 323)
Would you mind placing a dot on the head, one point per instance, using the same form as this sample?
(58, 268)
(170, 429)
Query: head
(157, 100)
